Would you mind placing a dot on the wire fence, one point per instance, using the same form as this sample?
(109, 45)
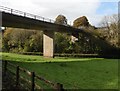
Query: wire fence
(32, 85)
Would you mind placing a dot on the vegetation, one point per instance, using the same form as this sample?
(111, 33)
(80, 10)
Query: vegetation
(0, 41)
(110, 30)
(73, 73)
(22, 40)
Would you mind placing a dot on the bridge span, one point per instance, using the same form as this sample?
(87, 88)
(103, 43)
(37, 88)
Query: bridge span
(18, 19)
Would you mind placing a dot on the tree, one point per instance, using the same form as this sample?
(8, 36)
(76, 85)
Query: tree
(35, 43)
(5, 40)
(61, 19)
(22, 40)
(61, 42)
(110, 30)
(81, 22)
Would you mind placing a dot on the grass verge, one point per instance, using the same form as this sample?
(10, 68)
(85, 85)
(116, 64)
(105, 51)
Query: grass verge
(73, 73)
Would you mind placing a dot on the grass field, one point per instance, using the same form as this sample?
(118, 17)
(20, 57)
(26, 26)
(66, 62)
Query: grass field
(73, 73)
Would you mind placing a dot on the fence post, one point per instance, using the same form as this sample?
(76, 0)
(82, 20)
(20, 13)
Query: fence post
(32, 81)
(17, 76)
(5, 68)
(59, 87)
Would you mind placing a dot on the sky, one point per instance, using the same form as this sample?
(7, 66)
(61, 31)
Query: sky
(94, 10)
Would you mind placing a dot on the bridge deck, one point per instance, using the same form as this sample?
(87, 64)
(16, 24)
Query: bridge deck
(16, 21)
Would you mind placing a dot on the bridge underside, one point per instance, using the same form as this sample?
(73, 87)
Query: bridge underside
(15, 21)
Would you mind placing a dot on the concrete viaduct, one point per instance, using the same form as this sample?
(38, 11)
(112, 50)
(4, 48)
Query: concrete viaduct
(18, 19)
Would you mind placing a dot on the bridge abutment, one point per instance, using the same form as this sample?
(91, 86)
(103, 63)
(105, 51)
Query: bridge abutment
(48, 43)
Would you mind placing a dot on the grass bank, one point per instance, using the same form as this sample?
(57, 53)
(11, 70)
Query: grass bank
(73, 73)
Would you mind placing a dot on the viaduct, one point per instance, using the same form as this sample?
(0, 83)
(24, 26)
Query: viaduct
(18, 19)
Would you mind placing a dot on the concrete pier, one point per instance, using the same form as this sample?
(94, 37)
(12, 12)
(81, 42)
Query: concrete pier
(48, 43)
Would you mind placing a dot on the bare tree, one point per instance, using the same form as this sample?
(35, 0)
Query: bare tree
(109, 26)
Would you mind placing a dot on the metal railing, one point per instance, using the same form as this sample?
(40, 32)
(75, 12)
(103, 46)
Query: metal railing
(28, 15)
(24, 14)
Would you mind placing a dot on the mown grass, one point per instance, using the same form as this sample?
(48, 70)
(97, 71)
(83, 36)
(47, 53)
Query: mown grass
(73, 73)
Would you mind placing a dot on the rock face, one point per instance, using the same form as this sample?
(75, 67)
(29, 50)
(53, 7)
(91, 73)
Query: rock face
(81, 21)
(61, 19)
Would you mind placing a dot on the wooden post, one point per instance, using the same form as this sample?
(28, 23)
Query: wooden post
(59, 87)
(32, 81)
(17, 76)
(5, 68)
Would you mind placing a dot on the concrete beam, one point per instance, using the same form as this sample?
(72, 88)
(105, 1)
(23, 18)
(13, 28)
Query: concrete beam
(48, 43)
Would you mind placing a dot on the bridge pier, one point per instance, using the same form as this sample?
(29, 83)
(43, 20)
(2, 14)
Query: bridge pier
(48, 43)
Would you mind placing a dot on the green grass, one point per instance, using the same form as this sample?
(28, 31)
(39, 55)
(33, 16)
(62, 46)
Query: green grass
(73, 73)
